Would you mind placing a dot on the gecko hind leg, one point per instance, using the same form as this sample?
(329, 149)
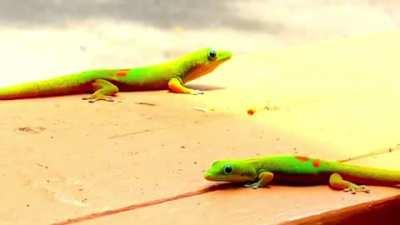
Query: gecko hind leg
(264, 178)
(337, 182)
(103, 91)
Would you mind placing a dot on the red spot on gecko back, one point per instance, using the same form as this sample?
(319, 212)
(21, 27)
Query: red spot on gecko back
(316, 163)
(302, 158)
(122, 73)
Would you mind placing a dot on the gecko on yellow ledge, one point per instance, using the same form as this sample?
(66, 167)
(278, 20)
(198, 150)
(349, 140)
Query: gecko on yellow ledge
(290, 169)
(105, 83)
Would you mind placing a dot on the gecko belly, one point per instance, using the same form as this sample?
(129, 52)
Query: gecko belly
(301, 179)
(148, 86)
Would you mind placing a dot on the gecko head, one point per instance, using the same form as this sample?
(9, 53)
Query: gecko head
(203, 61)
(231, 171)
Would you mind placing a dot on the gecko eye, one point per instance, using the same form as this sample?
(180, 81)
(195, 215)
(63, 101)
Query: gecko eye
(212, 55)
(228, 169)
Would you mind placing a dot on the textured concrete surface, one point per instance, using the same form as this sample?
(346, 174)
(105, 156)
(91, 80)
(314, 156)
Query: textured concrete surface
(63, 158)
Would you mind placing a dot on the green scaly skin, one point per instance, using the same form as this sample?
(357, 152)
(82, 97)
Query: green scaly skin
(104, 83)
(289, 169)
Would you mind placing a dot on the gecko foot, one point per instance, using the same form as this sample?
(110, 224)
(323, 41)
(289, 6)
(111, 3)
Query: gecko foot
(252, 185)
(98, 97)
(196, 92)
(255, 185)
(357, 188)
(264, 178)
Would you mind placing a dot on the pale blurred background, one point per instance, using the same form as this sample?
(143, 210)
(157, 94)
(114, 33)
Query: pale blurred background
(42, 38)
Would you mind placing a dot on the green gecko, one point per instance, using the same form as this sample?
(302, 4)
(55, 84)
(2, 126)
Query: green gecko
(290, 169)
(105, 83)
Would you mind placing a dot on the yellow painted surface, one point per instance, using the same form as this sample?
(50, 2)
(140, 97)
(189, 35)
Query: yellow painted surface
(342, 93)
(63, 158)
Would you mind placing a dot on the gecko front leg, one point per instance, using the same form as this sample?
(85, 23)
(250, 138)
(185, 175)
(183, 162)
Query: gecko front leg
(264, 178)
(176, 85)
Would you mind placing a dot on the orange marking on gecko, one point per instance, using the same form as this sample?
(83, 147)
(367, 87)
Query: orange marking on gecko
(316, 163)
(302, 158)
(122, 73)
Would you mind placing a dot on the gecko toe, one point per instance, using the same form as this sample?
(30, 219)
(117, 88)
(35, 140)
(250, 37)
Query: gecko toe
(354, 189)
(364, 188)
(95, 98)
(197, 92)
(253, 185)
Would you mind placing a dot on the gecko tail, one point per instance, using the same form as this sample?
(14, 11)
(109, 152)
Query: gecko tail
(27, 90)
(367, 175)
(52, 87)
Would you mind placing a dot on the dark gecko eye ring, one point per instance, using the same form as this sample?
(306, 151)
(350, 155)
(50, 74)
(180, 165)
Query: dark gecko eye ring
(228, 169)
(212, 54)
